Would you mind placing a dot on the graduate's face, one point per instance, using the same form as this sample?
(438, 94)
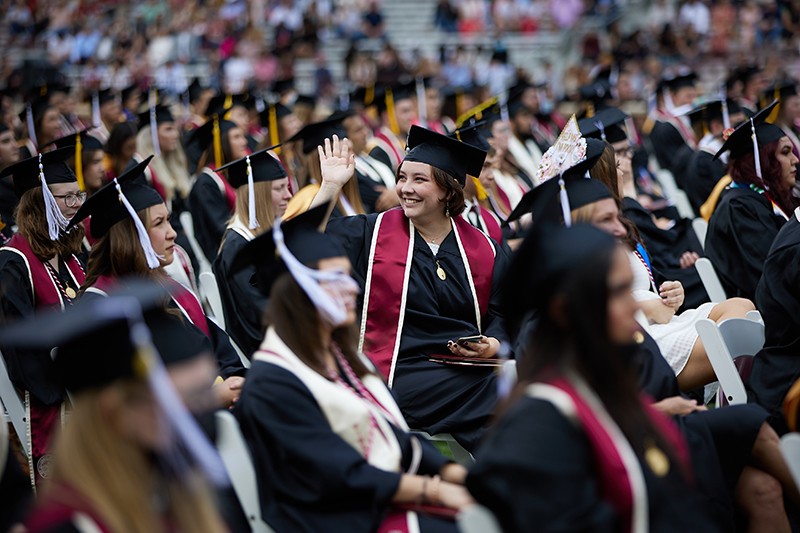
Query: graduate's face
(406, 112)
(161, 234)
(51, 125)
(606, 217)
(624, 156)
(238, 143)
(420, 195)
(94, 173)
(61, 191)
(168, 136)
(280, 196)
(622, 306)
(788, 161)
(9, 151)
(345, 294)
(240, 117)
(357, 132)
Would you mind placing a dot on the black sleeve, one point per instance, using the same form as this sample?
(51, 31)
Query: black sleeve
(493, 325)
(381, 155)
(15, 493)
(354, 233)
(227, 358)
(210, 214)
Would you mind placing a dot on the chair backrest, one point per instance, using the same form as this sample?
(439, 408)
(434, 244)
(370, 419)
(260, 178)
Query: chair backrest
(700, 227)
(477, 519)
(723, 343)
(755, 316)
(710, 280)
(13, 406)
(188, 229)
(790, 448)
(241, 471)
(210, 289)
(675, 195)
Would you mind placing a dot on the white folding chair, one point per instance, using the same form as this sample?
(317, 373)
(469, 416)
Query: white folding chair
(188, 228)
(477, 519)
(700, 227)
(723, 343)
(210, 289)
(710, 280)
(239, 465)
(14, 409)
(790, 448)
(460, 455)
(755, 316)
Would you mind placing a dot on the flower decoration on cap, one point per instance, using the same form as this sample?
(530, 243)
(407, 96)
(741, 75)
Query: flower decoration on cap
(569, 149)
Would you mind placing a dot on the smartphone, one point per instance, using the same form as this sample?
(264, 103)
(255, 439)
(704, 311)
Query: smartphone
(464, 340)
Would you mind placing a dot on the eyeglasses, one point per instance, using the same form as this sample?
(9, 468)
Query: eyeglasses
(72, 199)
(624, 152)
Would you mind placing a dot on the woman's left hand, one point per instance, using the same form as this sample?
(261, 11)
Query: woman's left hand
(486, 347)
(228, 391)
(454, 473)
(672, 294)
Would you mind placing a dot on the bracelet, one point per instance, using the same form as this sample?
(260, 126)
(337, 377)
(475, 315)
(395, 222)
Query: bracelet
(434, 498)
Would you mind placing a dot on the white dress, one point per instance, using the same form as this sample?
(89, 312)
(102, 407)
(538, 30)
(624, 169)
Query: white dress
(677, 338)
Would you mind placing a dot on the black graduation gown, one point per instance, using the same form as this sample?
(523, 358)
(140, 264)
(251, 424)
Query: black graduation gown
(671, 150)
(702, 174)
(380, 154)
(777, 365)
(665, 248)
(242, 303)
(535, 471)
(435, 397)
(367, 190)
(30, 370)
(309, 478)
(210, 214)
(15, 492)
(8, 203)
(740, 234)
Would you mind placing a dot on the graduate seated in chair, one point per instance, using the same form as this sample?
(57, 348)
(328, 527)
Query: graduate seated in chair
(330, 446)
(430, 285)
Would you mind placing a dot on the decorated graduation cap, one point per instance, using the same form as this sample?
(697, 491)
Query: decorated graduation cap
(254, 168)
(107, 340)
(314, 134)
(120, 200)
(80, 142)
(607, 124)
(445, 153)
(751, 134)
(296, 246)
(39, 171)
(210, 134)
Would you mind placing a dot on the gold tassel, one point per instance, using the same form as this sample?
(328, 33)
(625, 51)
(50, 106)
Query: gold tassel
(476, 111)
(774, 115)
(393, 125)
(590, 112)
(369, 95)
(480, 189)
(274, 138)
(216, 135)
(79, 162)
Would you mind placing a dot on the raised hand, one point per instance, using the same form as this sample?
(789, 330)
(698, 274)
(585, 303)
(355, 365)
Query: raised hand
(337, 162)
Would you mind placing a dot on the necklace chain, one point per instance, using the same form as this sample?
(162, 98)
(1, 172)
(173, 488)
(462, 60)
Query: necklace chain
(64, 290)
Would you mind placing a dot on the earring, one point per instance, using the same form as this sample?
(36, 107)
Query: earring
(447, 211)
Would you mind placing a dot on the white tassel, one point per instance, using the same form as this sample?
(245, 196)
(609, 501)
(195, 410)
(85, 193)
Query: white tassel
(565, 210)
(503, 101)
(599, 125)
(333, 311)
(152, 101)
(96, 120)
(755, 152)
(422, 103)
(260, 106)
(251, 196)
(144, 238)
(56, 221)
(726, 117)
(31, 127)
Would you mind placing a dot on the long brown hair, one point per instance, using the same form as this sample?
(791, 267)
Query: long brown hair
(265, 211)
(605, 171)
(297, 323)
(118, 253)
(207, 157)
(117, 478)
(743, 172)
(31, 217)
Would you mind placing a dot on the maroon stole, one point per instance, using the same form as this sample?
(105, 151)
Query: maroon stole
(185, 300)
(62, 506)
(386, 288)
(42, 419)
(492, 224)
(683, 129)
(620, 477)
(386, 139)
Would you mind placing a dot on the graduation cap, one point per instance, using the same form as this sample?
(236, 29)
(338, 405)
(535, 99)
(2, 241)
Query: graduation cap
(594, 95)
(162, 114)
(364, 96)
(39, 171)
(306, 100)
(543, 264)
(314, 134)
(572, 186)
(80, 141)
(514, 101)
(607, 125)
(488, 111)
(475, 134)
(210, 134)
(119, 200)
(721, 110)
(742, 74)
(283, 86)
(131, 89)
(269, 118)
(678, 79)
(456, 158)
(194, 90)
(33, 113)
(221, 104)
(779, 91)
(390, 95)
(751, 134)
(254, 168)
(297, 246)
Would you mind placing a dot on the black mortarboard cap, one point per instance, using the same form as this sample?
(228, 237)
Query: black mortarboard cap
(712, 110)
(364, 96)
(105, 206)
(130, 89)
(203, 136)
(780, 90)
(475, 134)
(38, 106)
(222, 103)
(681, 77)
(456, 158)
(106, 95)
(303, 237)
(397, 92)
(163, 114)
(283, 86)
(88, 142)
(607, 124)
(543, 201)
(314, 134)
(263, 165)
(281, 111)
(194, 90)
(740, 142)
(26, 172)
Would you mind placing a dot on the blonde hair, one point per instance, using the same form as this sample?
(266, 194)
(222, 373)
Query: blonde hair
(265, 211)
(584, 214)
(170, 168)
(115, 477)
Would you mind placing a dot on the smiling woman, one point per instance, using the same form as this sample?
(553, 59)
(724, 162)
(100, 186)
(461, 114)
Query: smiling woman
(429, 278)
